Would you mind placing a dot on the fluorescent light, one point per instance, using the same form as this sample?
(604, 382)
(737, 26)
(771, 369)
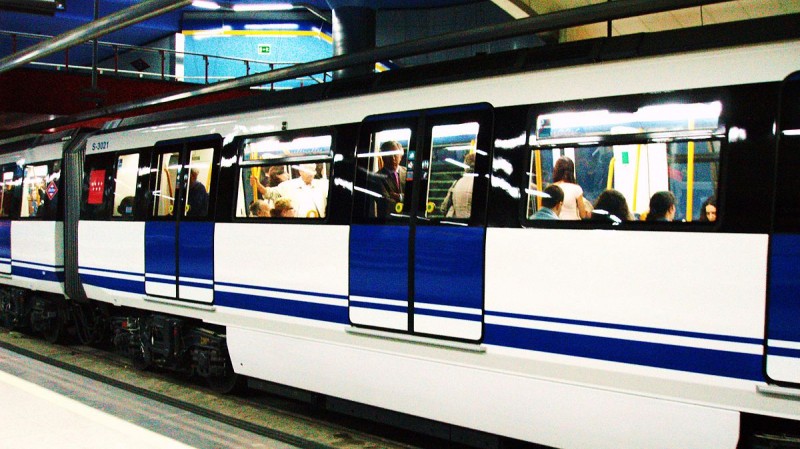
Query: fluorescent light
(461, 129)
(381, 153)
(205, 4)
(272, 26)
(263, 7)
(455, 162)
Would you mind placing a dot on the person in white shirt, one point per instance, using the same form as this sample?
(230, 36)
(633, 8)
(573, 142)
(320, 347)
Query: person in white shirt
(309, 196)
(564, 176)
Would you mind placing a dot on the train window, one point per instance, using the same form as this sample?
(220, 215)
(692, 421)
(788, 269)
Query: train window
(98, 182)
(285, 176)
(199, 181)
(40, 190)
(383, 180)
(124, 185)
(451, 170)
(617, 161)
(11, 176)
(166, 184)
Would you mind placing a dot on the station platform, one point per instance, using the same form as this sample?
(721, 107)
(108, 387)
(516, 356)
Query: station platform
(46, 407)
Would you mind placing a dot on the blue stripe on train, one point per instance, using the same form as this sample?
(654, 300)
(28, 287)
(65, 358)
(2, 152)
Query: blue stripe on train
(38, 274)
(374, 306)
(447, 314)
(696, 360)
(784, 352)
(300, 309)
(160, 280)
(627, 327)
(111, 283)
(204, 285)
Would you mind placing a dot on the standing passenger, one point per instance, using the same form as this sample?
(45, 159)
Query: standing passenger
(198, 196)
(458, 202)
(391, 179)
(564, 177)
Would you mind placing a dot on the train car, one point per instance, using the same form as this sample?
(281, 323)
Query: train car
(380, 246)
(31, 223)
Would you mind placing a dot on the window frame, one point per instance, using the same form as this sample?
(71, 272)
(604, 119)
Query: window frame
(59, 208)
(16, 193)
(241, 142)
(111, 180)
(184, 148)
(625, 104)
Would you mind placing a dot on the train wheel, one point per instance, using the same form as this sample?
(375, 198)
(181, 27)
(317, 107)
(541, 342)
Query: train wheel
(5, 306)
(53, 331)
(140, 357)
(14, 316)
(227, 383)
(92, 323)
(140, 354)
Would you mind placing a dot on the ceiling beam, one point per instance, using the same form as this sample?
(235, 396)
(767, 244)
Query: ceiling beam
(515, 8)
(601, 12)
(92, 30)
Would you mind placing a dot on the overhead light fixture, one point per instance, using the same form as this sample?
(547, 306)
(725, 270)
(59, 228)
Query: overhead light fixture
(263, 7)
(272, 26)
(203, 4)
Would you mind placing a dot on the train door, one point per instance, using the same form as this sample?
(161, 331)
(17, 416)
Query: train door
(10, 175)
(417, 240)
(783, 311)
(179, 234)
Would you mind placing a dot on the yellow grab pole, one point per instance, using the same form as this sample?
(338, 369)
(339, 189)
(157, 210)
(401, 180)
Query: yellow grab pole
(538, 159)
(610, 182)
(636, 176)
(689, 181)
(690, 175)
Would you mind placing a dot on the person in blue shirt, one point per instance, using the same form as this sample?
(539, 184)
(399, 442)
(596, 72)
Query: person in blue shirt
(552, 201)
(198, 196)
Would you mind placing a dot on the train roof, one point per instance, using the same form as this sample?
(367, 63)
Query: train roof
(772, 29)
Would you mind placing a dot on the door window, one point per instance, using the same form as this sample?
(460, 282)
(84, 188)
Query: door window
(125, 184)
(167, 172)
(452, 170)
(384, 180)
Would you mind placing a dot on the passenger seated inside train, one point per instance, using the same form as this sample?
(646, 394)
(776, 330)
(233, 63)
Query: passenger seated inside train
(260, 208)
(662, 206)
(552, 203)
(708, 210)
(125, 207)
(611, 205)
(283, 209)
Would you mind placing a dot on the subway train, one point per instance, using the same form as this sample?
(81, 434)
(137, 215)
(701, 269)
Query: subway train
(262, 240)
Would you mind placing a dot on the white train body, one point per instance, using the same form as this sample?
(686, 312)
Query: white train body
(585, 337)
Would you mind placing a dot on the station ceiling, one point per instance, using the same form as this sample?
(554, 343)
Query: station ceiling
(80, 12)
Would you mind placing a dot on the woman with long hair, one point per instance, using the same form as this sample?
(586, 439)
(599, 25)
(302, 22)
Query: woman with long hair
(564, 176)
